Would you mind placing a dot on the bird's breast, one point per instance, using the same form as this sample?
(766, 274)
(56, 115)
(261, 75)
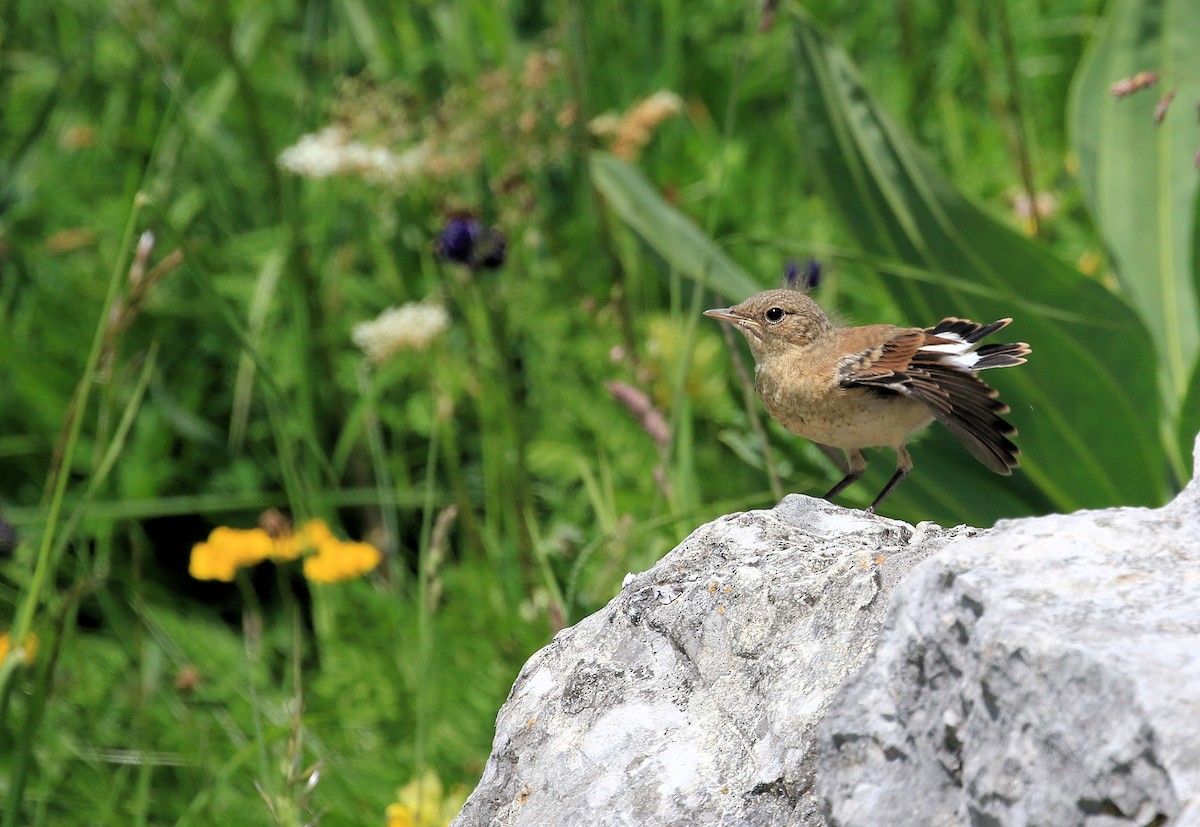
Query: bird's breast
(818, 408)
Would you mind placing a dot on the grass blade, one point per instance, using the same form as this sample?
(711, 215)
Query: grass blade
(669, 232)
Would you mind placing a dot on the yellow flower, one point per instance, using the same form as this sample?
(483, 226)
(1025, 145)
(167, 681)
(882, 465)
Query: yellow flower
(336, 561)
(246, 546)
(424, 802)
(30, 648)
(289, 544)
(288, 547)
(317, 532)
(210, 562)
(227, 550)
(326, 558)
(398, 815)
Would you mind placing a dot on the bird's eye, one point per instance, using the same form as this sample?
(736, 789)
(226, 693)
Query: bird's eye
(775, 315)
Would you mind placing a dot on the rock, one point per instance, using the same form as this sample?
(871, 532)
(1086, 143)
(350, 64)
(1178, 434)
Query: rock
(1045, 673)
(694, 696)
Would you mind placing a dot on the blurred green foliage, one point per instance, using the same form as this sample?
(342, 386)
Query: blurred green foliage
(577, 417)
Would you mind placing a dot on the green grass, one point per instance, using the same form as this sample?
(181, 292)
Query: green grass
(507, 488)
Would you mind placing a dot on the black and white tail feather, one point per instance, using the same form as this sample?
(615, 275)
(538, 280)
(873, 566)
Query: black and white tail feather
(943, 374)
(962, 348)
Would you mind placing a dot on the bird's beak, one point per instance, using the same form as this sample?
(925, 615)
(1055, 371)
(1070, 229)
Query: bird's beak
(725, 314)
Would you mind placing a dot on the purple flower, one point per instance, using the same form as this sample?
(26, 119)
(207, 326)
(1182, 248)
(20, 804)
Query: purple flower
(8, 537)
(464, 240)
(803, 276)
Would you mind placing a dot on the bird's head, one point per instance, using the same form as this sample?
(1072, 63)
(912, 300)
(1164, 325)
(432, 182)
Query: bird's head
(776, 322)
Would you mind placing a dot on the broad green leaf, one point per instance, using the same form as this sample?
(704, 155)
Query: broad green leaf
(1189, 426)
(666, 230)
(1087, 403)
(1139, 179)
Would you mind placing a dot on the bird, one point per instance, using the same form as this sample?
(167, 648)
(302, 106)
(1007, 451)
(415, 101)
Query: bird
(851, 388)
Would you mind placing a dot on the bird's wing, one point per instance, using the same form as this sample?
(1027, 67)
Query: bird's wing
(937, 369)
(878, 355)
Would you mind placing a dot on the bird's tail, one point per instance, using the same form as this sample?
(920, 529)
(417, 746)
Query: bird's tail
(956, 342)
(943, 375)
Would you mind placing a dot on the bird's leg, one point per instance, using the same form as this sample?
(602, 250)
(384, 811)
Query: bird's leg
(903, 466)
(857, 464)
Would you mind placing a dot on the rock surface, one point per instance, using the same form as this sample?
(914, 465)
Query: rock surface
(694, 696)
(1047, 673)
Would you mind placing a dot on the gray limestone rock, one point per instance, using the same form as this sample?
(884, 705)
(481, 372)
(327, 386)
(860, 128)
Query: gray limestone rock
(1045, 673)
(694, 696)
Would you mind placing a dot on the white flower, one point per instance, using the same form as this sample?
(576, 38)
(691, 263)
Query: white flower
(410, 327)
(332, 151)
(316, 156)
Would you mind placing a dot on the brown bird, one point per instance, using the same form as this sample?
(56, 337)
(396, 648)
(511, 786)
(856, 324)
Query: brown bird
(873, 386)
